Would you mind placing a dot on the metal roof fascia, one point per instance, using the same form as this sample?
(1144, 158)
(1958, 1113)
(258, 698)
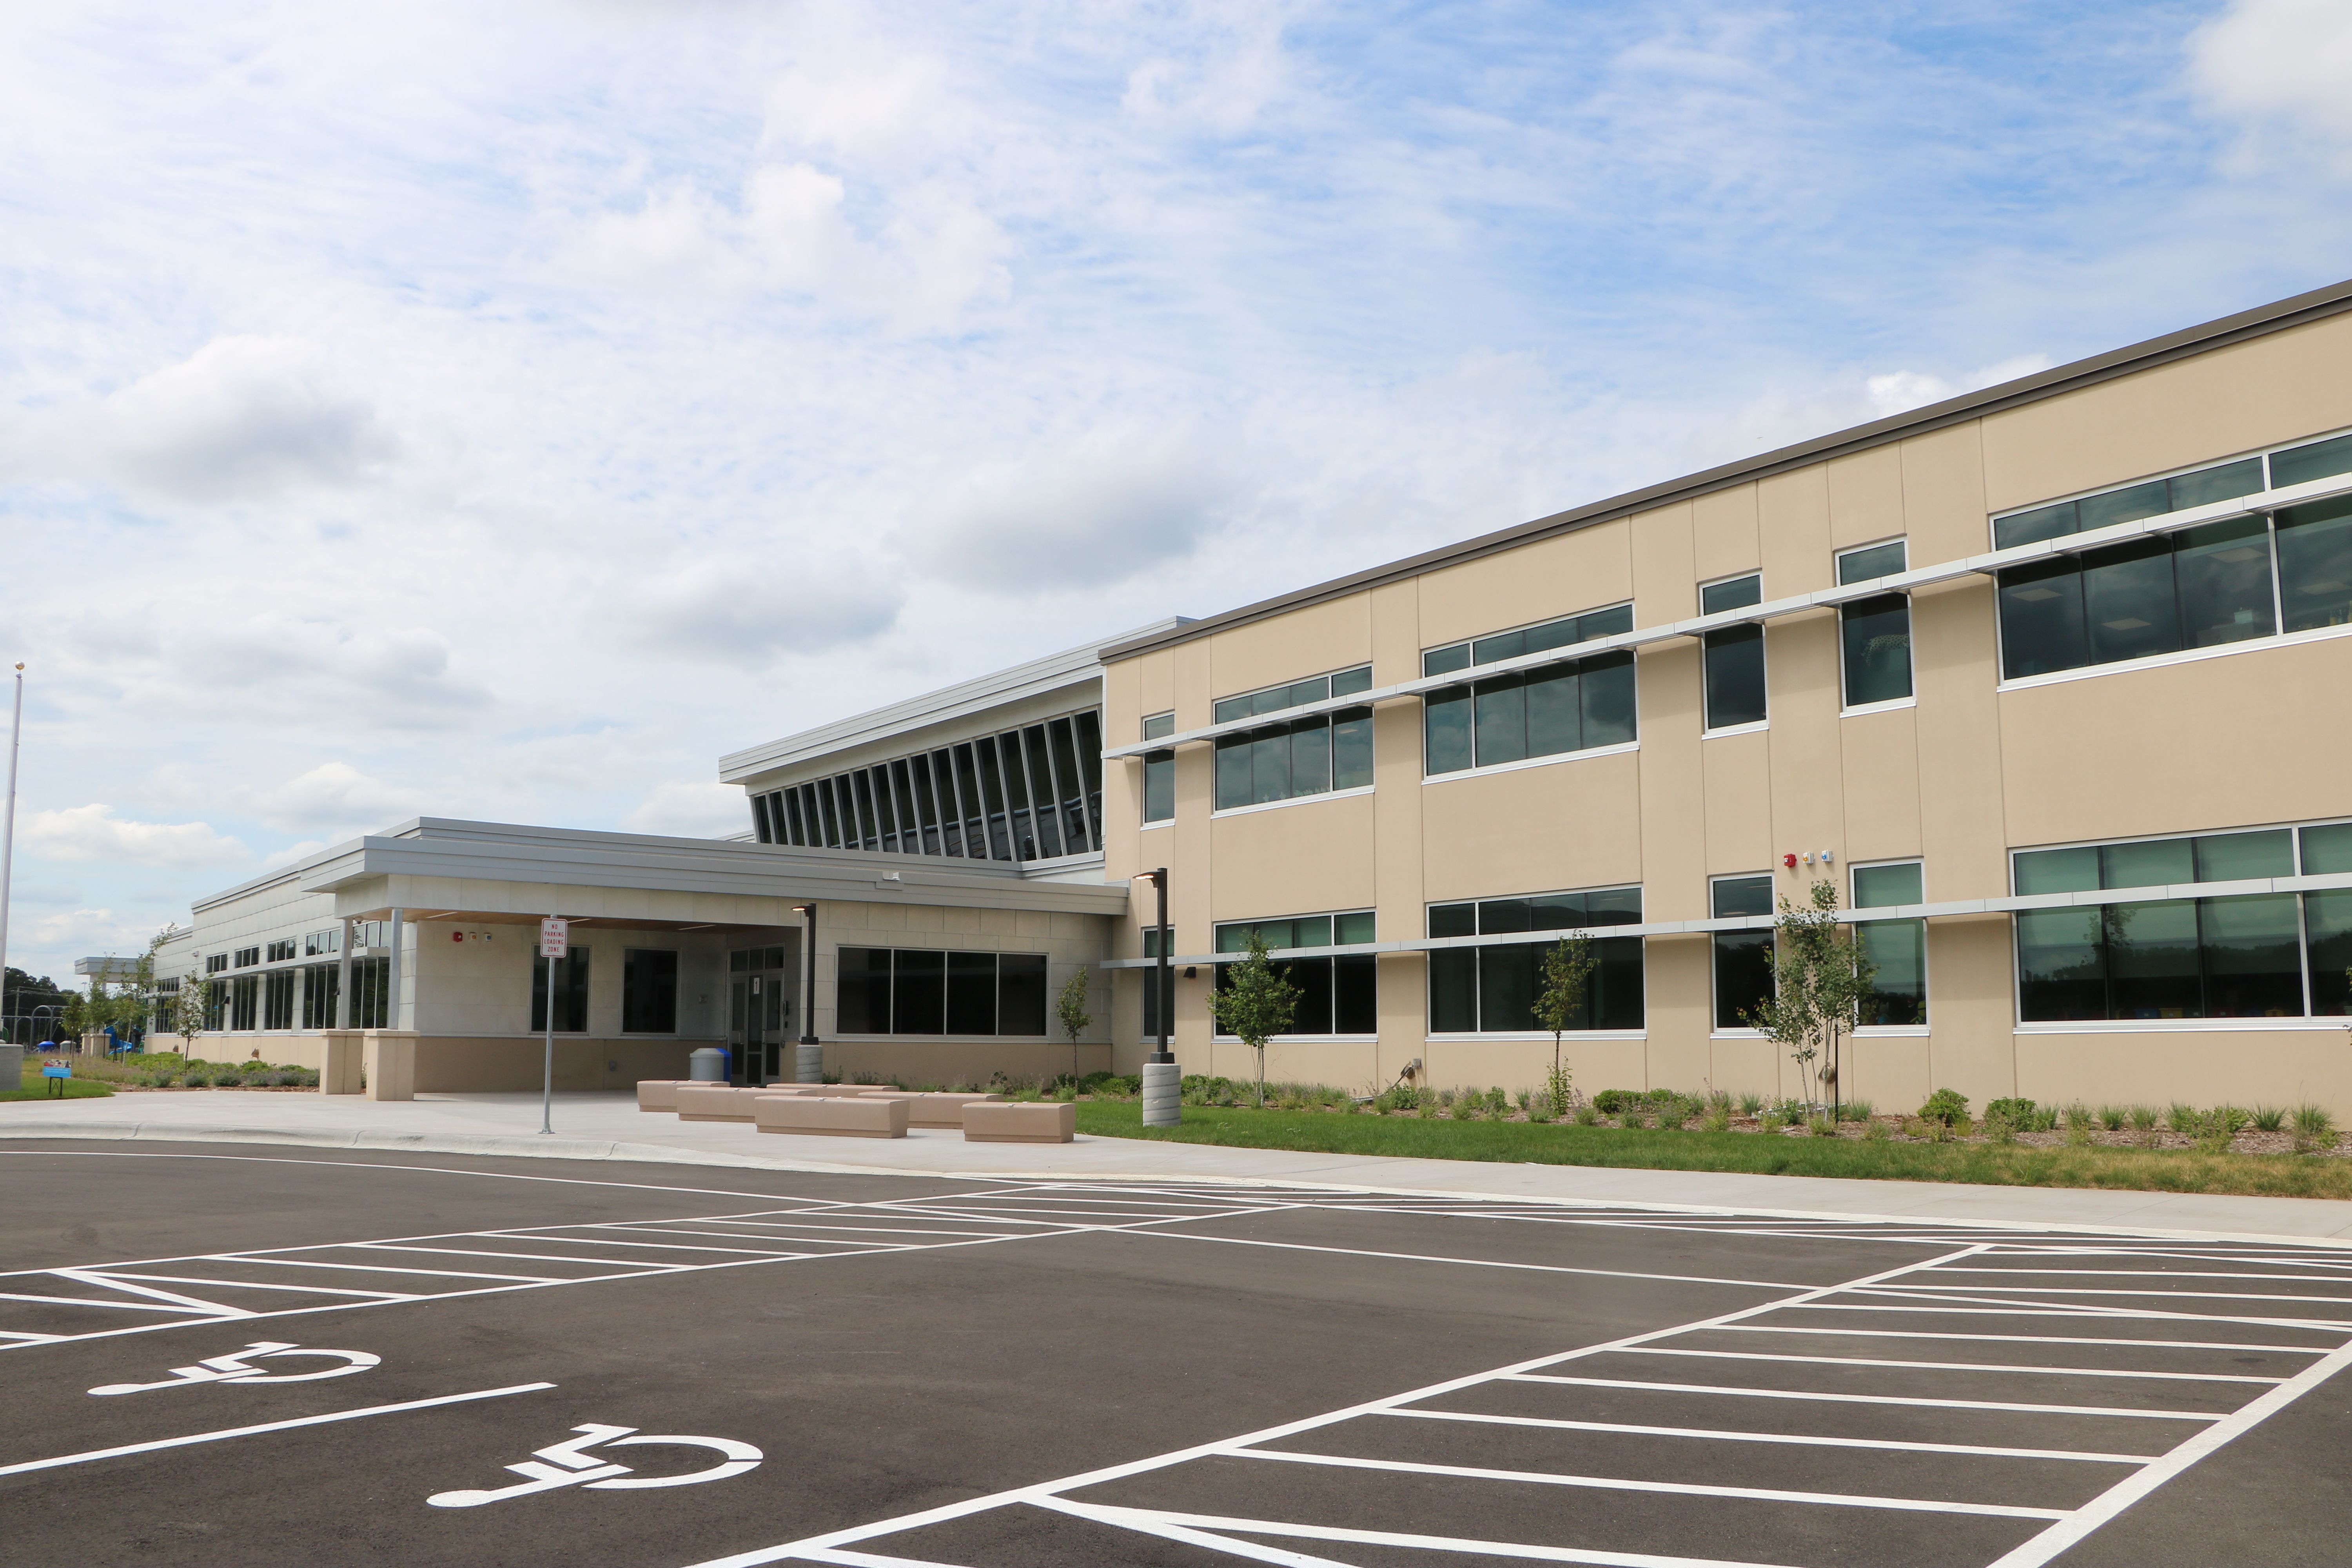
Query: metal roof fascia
(728, 877)
(1036, 676)
(2260, 321)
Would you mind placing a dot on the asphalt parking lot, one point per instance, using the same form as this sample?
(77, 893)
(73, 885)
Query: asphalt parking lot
(253, 1355)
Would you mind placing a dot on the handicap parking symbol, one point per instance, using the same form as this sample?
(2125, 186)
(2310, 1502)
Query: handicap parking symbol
(566, 1464)
(237, 1368)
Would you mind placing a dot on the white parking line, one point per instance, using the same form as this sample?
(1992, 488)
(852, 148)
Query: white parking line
(1152, 1521)
(1489, 1262)
(1795, 1439)
(228, 1432)
(1619, 1483)
(2026, 1339)
(2027, 1368)
(1907, 1400)
(2064, 1534)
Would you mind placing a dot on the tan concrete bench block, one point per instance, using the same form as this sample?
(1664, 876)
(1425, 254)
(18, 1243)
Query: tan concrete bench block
(986, 1121)
(941, 1109)
(660, 1093)
(864, 1117)
(714, 1102)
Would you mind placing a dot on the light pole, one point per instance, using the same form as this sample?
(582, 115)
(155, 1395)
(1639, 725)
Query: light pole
(8, 841)
(808, 1054)
(1162, 1079)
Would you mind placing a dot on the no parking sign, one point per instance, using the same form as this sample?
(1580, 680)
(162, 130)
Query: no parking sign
(554, 937)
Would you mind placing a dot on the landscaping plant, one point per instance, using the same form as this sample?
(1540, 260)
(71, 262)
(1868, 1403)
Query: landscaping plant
(1070, 1013)
(1820, 978)
(1559, 1001)
(1253, 1002)
(2314, 1128)
(1948, 1106)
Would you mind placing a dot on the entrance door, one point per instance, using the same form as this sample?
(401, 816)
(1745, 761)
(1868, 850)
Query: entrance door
(759, 1015)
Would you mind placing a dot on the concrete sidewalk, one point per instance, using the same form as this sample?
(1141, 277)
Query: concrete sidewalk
(591, 1126)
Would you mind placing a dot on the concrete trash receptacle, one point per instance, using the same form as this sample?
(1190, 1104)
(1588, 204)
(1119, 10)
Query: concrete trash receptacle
(707, 1065)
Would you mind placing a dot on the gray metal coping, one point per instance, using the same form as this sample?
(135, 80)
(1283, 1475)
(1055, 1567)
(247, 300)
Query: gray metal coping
(2316, 304)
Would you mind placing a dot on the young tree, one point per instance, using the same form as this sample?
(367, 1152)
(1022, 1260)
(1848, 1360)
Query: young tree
(195, 998)
(1070, 1012)
(1820, 978)
(1559, 997)
(1253, 1002)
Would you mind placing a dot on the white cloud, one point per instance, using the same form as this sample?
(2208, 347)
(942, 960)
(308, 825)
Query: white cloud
(82, 934)
(245, 417)
(745, 613)
(692, 808)
(333, 797)
(300, 850)
(1900, 391)
(2278, 68)
(94, 832)
(1092, 511)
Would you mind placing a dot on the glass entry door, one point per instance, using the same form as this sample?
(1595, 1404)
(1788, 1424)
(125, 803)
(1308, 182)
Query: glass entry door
(759, 1017)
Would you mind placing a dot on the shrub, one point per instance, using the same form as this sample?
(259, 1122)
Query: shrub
(1718, 1118)
(1947, 1106)
(1586, 1115)
(1465, 1107)
(1673, 1111)
(2269, 1118)
(2017, 1112)
(2080, 1122)
(1617, 1102)
(1875, 1130)
(1821, 1127)
(2144, 1122)
(1539, 1111)
(2185, 1120)
(1856, 1111)
(1751, 1104)
(1498, 1103)
(2314, 1127)
(2115, 1118)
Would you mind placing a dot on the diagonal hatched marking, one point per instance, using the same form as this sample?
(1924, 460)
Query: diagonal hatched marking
(1911, 1288)
(628, 1250)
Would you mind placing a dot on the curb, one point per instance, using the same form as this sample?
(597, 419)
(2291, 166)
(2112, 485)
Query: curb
(553, 1148)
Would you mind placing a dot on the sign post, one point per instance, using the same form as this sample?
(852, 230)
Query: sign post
(554, 942)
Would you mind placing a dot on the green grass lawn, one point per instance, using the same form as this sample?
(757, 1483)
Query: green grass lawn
(34, 1086)
(1559, 1144)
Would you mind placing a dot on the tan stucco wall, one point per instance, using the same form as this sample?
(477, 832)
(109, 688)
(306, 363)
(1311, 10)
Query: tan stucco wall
(1959, 779)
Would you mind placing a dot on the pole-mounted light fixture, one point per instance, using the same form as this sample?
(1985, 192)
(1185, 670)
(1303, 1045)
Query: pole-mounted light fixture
(1162, 1079)
(809, 1065)
(1161, 1009)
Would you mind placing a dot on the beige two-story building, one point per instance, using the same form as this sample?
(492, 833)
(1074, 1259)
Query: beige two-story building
(2047, 681)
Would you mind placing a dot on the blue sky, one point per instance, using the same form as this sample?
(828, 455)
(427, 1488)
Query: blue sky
(503, 411)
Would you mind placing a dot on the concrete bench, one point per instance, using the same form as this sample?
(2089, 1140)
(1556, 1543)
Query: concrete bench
(659, 1093)
(997, 1121)
(864, 1116)
(715, 1102)
(937, 1109)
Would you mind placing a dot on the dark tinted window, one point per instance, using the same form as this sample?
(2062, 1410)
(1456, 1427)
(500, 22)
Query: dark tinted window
(649, 991)
(1736, 595)
(1735, 677)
